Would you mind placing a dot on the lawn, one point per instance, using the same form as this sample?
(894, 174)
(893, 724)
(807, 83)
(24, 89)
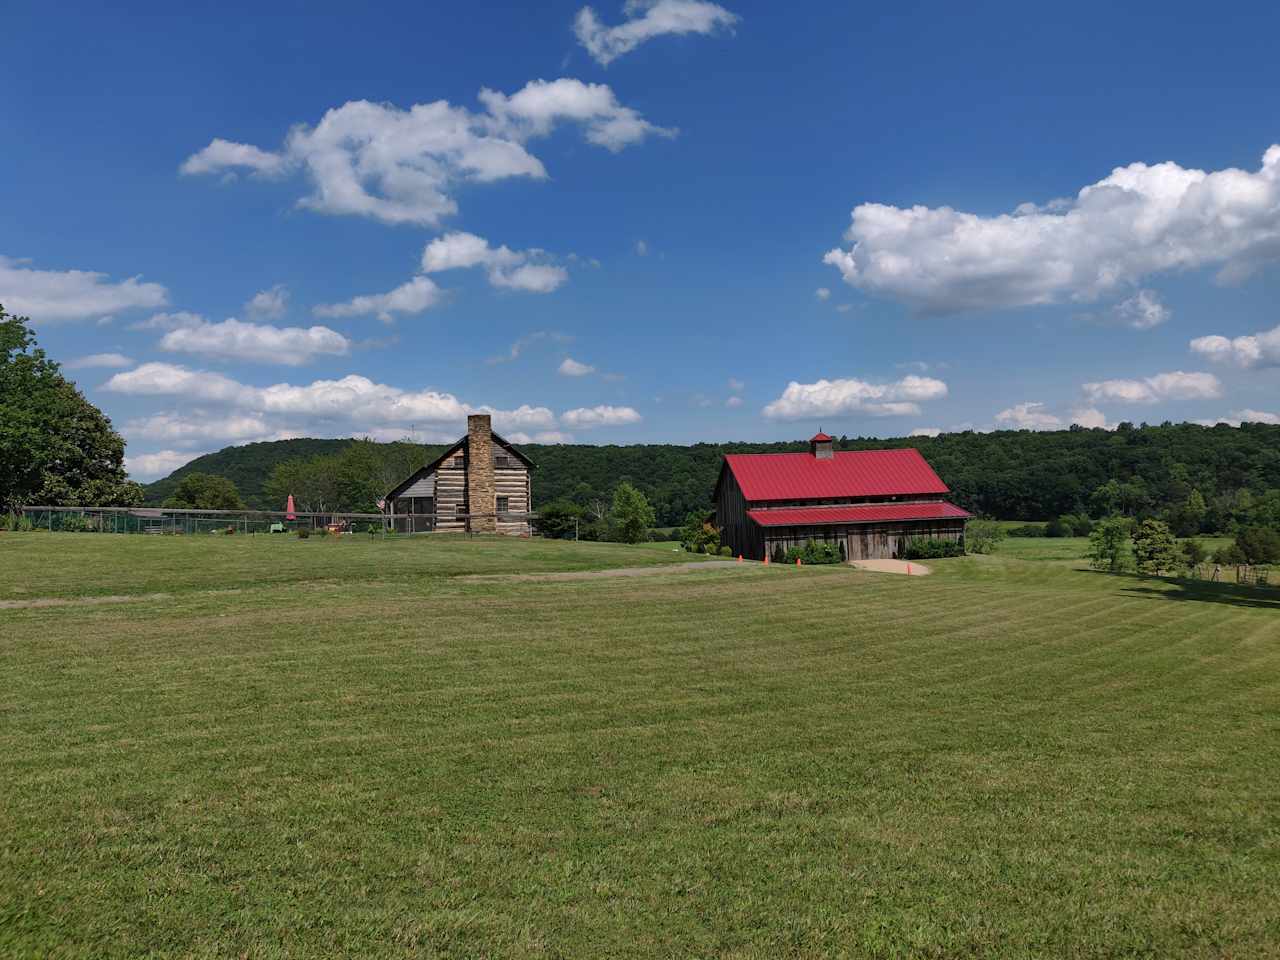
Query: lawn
(348, 750)
(87, 564)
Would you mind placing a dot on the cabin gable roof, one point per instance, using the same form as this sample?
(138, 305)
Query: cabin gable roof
(434, 465)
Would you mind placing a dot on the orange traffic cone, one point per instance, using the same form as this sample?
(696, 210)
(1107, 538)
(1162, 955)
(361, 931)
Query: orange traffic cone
(798, 563)
(739, 558)
(766, 559)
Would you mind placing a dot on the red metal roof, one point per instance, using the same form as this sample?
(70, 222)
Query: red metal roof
(819, 437)
(851, 473)
(862, 513)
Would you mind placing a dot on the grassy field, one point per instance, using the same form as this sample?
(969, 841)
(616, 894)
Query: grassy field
(348, 749)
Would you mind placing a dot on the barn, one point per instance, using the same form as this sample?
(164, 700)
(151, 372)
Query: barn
(481, 484)
(868, 501)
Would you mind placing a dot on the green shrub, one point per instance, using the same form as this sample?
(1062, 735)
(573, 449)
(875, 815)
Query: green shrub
(1230, 556)
(726, 551)
(303, 533)
(1080, 524)
(779, 555)
(698, 533)
(1193, 552)
(1057, 528)
(981, 536)
(75, 523)
(927, 548)
(1028, 530)
(814, 551)
(1259, 544)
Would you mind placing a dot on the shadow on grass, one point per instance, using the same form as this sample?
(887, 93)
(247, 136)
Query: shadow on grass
(1203, 591)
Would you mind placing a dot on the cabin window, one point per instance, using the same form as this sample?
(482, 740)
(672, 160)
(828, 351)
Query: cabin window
(502, 461)
(504, 504)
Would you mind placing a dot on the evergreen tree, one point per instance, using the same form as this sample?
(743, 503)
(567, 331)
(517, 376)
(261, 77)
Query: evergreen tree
(1154, 548)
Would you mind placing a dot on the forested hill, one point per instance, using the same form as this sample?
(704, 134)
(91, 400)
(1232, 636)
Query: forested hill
(1008, 474)
(247, 466)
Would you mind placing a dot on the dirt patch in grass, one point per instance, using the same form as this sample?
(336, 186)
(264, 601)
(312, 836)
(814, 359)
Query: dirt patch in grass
(39, 602)
(603, 574)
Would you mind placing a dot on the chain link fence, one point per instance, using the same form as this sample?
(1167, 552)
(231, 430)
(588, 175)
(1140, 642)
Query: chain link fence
(163, 521)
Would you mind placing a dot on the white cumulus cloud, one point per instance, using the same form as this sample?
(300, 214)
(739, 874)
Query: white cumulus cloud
(403, 166)
(223, 155)
(925, 432)
(197, 428)
(269, 304)
(110, 361)
(1176, 385)
(570, 367)
(47, 296)
(842, 396)
(512, 269)
(1237, 417)
(1139, 221)
(1143, 311)
(415, 296)
(1254, 350)
(1028, 416)
(356, 402)
(586, 418)
(161, 463)
(168, 321)
(822, 293)
(647, 19)
(260, 343)
(1090, 417)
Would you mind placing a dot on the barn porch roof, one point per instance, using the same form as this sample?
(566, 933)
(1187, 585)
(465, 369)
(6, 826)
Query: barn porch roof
(862, 513)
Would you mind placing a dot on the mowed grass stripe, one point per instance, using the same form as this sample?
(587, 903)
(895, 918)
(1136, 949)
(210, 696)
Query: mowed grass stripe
(790, 763)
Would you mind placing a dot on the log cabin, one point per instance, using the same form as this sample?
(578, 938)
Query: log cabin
(870, 502)
(481, 484)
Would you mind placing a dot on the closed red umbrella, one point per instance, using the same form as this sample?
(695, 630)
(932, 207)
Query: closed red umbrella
(289, 509)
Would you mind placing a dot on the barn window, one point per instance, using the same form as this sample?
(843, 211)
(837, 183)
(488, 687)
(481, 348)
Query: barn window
(504, 504)
(502, 461)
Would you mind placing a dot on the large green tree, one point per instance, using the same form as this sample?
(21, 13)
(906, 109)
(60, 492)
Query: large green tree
(632, 515)
(55, 446)
(205, 491)
(1109, 545)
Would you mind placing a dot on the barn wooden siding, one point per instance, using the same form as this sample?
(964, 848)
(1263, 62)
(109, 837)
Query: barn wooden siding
(737, 531)
(866, 541)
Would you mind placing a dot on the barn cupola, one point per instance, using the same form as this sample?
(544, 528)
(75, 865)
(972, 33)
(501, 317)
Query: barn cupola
(821, 446)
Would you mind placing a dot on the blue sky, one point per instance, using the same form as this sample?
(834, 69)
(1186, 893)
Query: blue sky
(674, 221)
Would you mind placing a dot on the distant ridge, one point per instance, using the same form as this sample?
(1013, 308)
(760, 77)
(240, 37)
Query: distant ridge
(1012, 474)
(248, 466)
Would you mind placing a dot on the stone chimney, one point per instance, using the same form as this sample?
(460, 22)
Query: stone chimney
(482, 491)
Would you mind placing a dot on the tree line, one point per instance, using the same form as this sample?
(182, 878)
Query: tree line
(1197, 479)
